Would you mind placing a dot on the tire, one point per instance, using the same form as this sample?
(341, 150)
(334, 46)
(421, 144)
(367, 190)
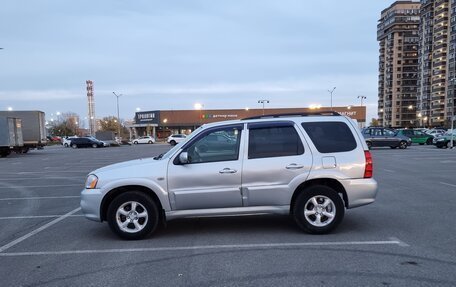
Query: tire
(173, 142)
(94, 145)
(429, 141)
(369, 145)
(403, 145)
(65, 145)
(123, 203)
(304, 209)
(135, 142)
(421, 143)
(74, 146)
(448, 144)
(150, 142)
(393, 147)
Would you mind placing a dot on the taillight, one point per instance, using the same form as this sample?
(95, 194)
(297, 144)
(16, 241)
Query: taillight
(369, 170)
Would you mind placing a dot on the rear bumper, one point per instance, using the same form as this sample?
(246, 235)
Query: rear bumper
(360, 191)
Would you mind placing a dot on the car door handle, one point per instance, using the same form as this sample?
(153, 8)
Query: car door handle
(294, 166)
(228, 170)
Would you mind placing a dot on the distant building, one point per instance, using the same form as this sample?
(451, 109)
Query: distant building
(397, 33)
(161, 124)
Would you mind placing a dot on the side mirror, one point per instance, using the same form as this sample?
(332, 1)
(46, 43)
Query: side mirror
(183, 158)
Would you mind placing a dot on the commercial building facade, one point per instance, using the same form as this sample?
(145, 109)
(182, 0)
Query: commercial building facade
(161, 124)
(397, 33)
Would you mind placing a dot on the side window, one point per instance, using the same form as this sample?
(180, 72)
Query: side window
(389, 133)
(217, 145)
(274, 142)
(377, 132)
(330, 137)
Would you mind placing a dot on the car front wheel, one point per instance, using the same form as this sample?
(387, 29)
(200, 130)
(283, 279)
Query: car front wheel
(74, 146)
(173, 142)
(133, 215)
(318, 209)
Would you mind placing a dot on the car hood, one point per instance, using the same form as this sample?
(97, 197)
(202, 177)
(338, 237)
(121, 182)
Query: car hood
(136, 168)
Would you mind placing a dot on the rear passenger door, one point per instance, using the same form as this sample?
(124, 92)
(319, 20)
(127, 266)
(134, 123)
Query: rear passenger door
(276, 161)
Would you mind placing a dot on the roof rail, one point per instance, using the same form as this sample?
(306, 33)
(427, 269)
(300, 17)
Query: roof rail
(322, 113)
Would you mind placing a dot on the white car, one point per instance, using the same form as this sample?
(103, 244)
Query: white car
(66, 141)
(175, 139)
(144, 140)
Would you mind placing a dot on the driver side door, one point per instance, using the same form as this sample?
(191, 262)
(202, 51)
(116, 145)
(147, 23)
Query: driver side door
(212, 176)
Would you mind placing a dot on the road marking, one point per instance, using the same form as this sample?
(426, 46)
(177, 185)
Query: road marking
(36, 186)
(388, 170)
(37, 216)
(449, 184)
(43, 178)
(209, 247)
(39, 197)
(47, 225)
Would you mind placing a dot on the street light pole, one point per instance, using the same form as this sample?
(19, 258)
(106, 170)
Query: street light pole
(331, 93)
(118, 116)
(362, 98)
(263, 102)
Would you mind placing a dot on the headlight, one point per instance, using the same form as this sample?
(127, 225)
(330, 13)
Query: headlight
(91, 181)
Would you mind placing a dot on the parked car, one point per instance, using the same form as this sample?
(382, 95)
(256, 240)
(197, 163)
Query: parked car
(105, 144)
(436, 132)
(383, 137)
(444, 141)
(175, 139)
(310, 166)
(144, 140)
(85, 142)
(416, 136)
(66, 141)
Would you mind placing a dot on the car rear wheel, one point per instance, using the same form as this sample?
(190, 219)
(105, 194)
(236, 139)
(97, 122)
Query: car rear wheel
(133, 215)
(318, 209)
(150, 142)
(135, 142)
(403, 145)
(173, 142)
(429, 141)
(74, 146)
(65, 145)
(369, 145)
(94, 145)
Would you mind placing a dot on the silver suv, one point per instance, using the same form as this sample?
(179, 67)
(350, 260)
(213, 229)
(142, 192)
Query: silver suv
(312, 166)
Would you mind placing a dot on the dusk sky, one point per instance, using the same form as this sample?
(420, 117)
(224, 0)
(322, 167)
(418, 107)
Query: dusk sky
(172, 54)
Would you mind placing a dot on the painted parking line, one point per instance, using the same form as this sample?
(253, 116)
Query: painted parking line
(448, 184)
(392, 241)
(37, 186)
(388, 170)
(39, 229)
(39, 197)
(36, 216)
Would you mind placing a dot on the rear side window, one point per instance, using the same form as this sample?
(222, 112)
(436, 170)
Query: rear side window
(330, 136)
(274, 142)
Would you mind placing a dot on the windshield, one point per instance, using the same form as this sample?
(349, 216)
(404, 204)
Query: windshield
(178, 146)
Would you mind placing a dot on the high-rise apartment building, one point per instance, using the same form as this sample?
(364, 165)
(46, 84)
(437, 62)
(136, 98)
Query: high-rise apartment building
(434, 63)
(397, 33)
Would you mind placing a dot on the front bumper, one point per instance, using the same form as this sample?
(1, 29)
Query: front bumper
(91, 203)
(360, 191)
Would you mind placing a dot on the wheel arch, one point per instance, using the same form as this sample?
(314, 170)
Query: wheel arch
(108, 198)
(329, 182)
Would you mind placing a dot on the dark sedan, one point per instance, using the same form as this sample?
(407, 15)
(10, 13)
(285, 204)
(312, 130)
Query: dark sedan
(382, 137)
(85, 142)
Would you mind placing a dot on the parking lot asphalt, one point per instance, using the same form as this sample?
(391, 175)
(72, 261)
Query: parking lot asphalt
(406, 238)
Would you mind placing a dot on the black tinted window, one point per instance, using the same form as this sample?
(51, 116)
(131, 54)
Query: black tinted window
(274, 141)
(330, 136)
